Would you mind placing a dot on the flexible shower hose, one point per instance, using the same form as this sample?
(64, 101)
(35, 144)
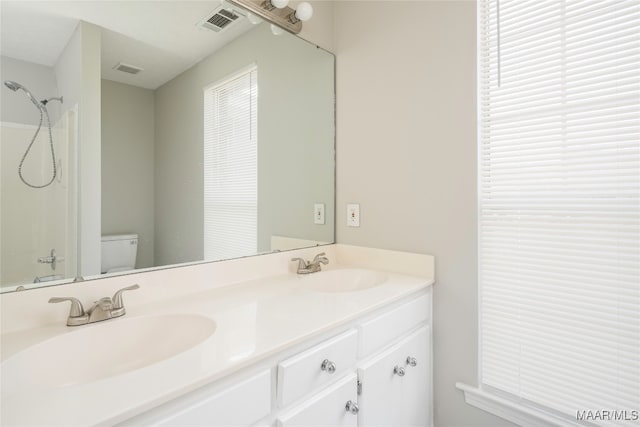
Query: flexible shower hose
(43, 111)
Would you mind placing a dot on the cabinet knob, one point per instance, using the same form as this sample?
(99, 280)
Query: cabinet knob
(352, 407)
(411, 361)
(328, 366)
(399, 371)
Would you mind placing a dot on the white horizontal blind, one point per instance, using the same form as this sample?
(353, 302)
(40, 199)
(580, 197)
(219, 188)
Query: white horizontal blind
(231, 167)
(559, 205)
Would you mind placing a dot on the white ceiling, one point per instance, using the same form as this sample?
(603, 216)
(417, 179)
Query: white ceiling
(162, 37)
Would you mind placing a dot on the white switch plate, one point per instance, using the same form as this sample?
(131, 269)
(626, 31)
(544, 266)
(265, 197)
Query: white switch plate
(353, 215)
(318, 213)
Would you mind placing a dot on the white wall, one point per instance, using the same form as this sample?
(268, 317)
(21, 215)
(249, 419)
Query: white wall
(128, 137)
(16, 107)
(295, 143)
(78, 76)
(406, 151)
(68, 71)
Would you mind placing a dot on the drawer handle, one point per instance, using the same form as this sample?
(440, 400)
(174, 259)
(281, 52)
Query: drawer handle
(411, 361)
(352, 407)
(399, 371)
(328, 366)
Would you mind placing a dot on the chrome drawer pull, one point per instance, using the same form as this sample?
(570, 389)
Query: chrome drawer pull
(399, 371)
(328, 366)
(352, 407)
(411, 361)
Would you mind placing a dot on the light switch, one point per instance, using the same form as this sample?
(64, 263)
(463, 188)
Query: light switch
(353, 215)
(318, 213)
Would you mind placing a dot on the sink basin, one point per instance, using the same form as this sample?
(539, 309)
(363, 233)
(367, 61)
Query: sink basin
(90, 353)
(342, 280)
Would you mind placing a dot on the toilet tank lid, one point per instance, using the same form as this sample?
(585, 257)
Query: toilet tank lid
(111, 237)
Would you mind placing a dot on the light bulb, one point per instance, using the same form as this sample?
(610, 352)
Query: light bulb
(227, 6)
(304, 11)
(276, 30)
(280, 4)
(254, 19)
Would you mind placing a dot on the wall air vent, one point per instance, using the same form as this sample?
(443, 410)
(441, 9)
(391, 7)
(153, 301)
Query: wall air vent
(220, 19)
(127, 68)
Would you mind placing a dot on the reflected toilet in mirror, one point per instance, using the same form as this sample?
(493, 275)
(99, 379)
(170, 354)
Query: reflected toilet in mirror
(118, 253)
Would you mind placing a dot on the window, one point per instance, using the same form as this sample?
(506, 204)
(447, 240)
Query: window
(559, 207)
(231, 167)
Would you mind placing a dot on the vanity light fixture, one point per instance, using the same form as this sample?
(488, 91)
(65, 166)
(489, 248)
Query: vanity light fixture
(280, 4)
(278, 13)
(303, 12)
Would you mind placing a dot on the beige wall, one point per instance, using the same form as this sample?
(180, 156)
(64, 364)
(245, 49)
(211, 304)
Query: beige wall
(319, 30)
(128, 136)
(406, 151)
(295, 143)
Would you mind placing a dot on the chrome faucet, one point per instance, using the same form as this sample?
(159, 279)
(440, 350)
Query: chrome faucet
(306, 267)
(52, 259)
(103, 309)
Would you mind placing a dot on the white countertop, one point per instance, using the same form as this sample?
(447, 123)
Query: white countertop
(254, 320)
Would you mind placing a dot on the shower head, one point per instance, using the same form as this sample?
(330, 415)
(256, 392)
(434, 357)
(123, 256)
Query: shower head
(15, 86)
(12, 85)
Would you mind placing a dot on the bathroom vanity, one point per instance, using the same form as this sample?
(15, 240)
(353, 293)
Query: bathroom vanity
(242, 342)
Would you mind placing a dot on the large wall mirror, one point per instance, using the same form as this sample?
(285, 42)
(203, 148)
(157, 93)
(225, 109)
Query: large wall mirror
(176, 143)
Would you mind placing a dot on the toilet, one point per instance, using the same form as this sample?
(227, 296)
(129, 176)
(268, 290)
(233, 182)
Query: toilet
(118, 252)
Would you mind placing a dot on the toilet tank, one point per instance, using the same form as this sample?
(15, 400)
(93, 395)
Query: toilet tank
(118, 252)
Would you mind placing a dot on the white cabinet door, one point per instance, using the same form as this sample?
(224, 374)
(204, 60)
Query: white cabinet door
(327, 408)
(394, 393)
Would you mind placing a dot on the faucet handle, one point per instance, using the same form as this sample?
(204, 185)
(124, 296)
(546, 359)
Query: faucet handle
(321, 258)
(76, 306)
(117, 297)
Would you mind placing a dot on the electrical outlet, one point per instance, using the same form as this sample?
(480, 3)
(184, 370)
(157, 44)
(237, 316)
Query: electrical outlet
(318, 213)
(353, 215)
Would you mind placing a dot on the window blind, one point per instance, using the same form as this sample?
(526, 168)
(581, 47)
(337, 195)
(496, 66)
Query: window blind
(231, 167)
(559, 206)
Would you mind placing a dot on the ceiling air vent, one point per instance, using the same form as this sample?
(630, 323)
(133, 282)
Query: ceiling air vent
(126, 68)
(220, 19)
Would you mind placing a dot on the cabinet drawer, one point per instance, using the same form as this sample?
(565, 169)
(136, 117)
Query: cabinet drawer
(379, 331)
(327, 408)
(239, 405)
(304, 372)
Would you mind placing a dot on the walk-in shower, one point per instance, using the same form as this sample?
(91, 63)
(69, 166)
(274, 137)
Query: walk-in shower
(42, 108)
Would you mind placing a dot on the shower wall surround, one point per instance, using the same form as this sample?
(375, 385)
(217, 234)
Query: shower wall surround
(28, 231)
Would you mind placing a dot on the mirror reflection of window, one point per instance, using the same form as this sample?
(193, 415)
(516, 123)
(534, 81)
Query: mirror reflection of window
(231, 166)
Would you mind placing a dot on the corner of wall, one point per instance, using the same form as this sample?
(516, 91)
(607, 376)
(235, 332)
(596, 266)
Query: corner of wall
(89, 149)
(319, 30)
